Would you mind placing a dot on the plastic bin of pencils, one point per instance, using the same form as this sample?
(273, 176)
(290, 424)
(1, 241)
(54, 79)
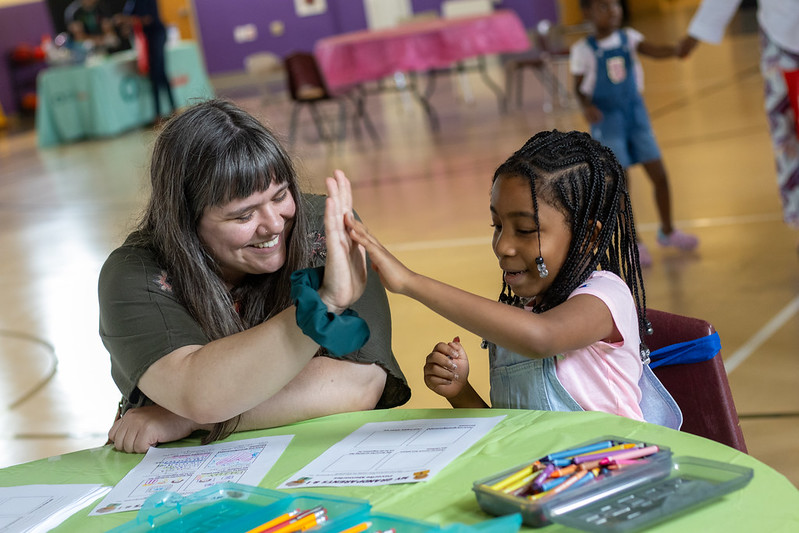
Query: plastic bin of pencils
(582, 473)
(236, 507)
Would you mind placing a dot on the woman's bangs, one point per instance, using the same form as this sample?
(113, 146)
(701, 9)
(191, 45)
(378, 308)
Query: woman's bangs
(244, 174)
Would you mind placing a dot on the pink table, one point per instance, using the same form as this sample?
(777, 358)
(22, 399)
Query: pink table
(352, 59)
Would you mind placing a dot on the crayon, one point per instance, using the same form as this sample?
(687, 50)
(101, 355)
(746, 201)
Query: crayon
(566, 483)
(624, 446)
(521, 485)
(630, 454)
(538, 482)
(549, 484)
(599, 455)
(564, 471)
(565, 454)
(516, 476)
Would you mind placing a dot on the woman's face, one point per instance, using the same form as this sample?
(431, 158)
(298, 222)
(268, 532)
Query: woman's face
(249, 235)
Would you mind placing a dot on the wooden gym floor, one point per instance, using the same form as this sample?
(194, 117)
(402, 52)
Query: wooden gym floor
(425, 194)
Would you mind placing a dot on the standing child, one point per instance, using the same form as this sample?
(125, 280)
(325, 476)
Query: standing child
(565, 334)
(608, 80)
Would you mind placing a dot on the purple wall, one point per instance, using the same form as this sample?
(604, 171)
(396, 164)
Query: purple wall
(24, 23)
(217, 20)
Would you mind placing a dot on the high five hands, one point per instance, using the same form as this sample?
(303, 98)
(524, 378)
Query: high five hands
(345, 267)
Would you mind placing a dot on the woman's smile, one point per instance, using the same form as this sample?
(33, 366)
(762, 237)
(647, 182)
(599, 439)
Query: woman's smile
(268, 244)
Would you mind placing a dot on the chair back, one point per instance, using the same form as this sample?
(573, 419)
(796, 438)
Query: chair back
(700, 389)
(305, 80)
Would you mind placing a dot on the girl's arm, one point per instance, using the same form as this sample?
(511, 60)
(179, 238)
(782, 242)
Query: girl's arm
(658, 51)
(233, 375)
(576, 323)
(591, 112)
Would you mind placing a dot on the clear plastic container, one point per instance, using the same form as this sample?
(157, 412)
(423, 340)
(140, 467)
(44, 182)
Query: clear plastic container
(230, 507)
(536, 513)
(691, 482)
(234, 507)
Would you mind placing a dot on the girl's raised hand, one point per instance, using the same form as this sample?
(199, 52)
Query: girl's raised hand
(446, 370)
(393, 274)
(345, 267)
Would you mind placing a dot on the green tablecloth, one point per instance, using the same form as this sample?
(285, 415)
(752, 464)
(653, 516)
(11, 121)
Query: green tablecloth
(108, 96)
(768, 503)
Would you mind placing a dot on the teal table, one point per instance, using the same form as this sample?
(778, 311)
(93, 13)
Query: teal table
(107, 96)
(768, 503)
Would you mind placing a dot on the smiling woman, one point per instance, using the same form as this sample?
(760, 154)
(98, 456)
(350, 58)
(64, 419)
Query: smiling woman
(196, 307)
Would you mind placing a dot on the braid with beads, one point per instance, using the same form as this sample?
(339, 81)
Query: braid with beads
(583, 180)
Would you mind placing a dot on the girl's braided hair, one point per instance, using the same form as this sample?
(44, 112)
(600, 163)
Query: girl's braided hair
(583, 180)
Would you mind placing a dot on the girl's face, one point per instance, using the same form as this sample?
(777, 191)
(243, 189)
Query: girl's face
(606, 16)
(248, 236)
(515, 240)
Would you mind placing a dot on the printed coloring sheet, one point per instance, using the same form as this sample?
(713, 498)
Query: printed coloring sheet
(190, 469)
(382, 453)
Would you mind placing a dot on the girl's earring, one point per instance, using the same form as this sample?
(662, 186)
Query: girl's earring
(542, 267)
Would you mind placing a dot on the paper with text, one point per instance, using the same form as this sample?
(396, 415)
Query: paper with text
(40, 508)
(190, 469)
(382, 453)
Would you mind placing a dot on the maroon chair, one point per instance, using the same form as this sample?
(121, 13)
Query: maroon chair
(307, 87)
(700, 389)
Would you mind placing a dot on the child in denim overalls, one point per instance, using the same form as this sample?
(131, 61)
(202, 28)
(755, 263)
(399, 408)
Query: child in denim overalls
(566, 333)
(608, 80)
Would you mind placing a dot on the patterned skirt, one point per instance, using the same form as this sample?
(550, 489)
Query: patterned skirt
(774, 62)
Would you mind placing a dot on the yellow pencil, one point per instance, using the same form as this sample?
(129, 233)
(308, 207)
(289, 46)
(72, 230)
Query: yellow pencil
(275, 521)
(301, 524)
(363, 526)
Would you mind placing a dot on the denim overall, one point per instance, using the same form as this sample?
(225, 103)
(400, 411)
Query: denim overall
(518, 382)
(625, 126)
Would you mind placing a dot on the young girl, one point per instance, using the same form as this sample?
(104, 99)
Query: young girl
(566, 332)
(608, 80)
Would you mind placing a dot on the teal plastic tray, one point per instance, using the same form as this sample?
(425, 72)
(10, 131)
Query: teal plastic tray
(232, 507)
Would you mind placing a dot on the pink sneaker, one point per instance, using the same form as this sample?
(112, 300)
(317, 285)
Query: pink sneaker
(678, 239)
(644, 258)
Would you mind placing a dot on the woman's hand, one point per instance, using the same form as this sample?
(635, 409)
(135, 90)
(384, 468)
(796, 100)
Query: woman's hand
(142, 427)
(393, 274)
(446, 370)
(345, 268)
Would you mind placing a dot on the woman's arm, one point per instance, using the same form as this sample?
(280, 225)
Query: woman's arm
(325, 386)
(232, 375)
(657, 51)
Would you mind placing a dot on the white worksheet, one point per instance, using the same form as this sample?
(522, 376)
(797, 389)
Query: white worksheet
(190, 469)
(40, 508)
(382, 453)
